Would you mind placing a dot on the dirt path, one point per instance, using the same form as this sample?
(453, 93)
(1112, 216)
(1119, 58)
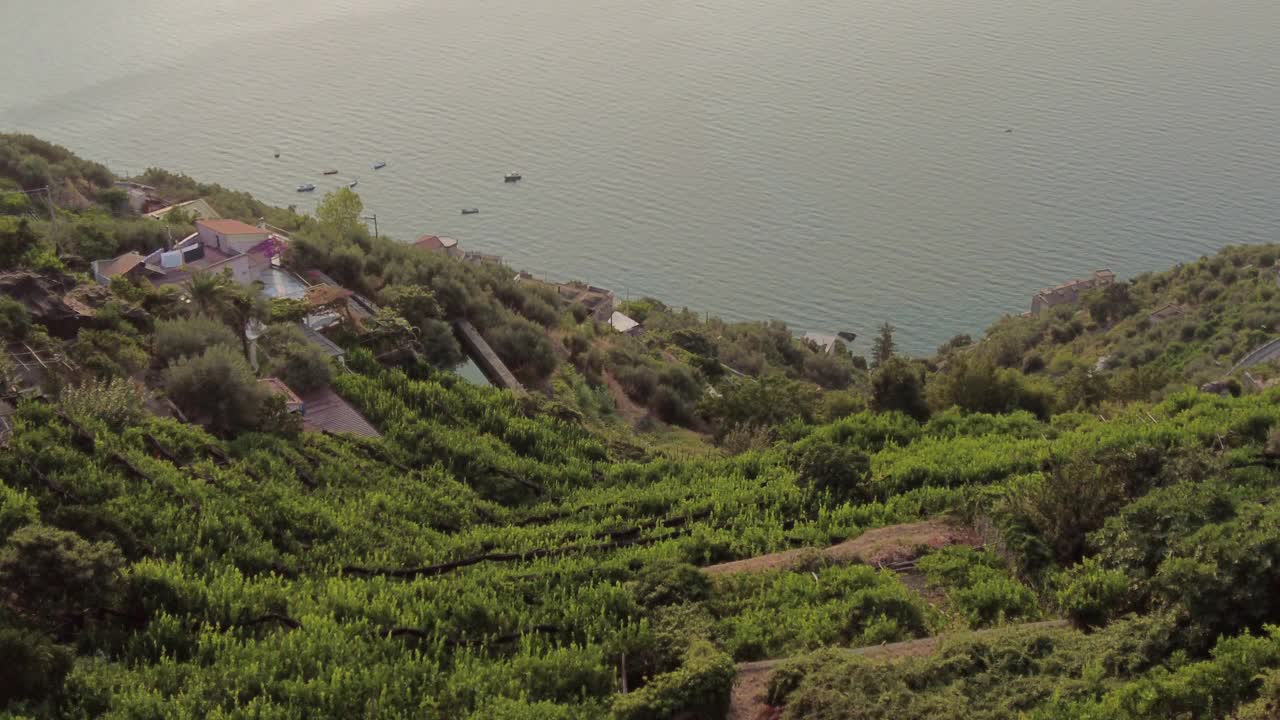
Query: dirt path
(874, 547)
(749, 688)
(630, 411)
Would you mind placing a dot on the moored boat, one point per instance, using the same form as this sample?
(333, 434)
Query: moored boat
(308, 187)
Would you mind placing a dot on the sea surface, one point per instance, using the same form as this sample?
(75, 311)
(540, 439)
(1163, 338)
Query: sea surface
(830, 163)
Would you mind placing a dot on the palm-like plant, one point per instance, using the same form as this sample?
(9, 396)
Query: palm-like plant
(219, 295)
(210, 293)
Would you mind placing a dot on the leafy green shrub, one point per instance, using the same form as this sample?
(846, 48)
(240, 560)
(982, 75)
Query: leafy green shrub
(184, 337)
(780, 613)
(978, 585)
(33, 669)
(1000, 674)
(638, 381)
(676, 396)
(1211, 688)
(1267, 706)
(14, 319)
(109, 353)
(54, 575)
(1070, 501)
(17, 509)
(977, 385)
(700, 687)
(667, 583)
(504, 708)
(695, 342)
(302, 365)
(287, 310)
(898, 386)
(217, 387)
(828, 371)
(828, 467)
(439, 345)
(540, 311)
(768, 401)
(1090, 594)
(524, 347)
(839, 405)
(993, 599)
(118, 402)
(415, 303)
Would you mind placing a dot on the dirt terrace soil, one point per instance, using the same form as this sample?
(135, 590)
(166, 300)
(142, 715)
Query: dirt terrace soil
(882, 546)
(749, 688)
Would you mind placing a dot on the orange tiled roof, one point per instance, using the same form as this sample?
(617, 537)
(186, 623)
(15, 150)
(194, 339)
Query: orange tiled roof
(120, 265)
(230, 227)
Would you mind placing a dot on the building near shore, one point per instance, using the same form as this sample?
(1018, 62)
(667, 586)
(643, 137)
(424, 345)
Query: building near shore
(625, 325)
(438, 244)
(1069, 293)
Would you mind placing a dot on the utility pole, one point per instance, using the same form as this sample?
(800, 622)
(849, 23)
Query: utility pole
(374, 218)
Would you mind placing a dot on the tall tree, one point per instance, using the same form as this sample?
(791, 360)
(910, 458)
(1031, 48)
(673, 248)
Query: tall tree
(897, 385)
(883, 347)
(340, 211)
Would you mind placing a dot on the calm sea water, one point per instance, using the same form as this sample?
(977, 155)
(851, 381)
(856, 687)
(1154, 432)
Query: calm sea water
(829, 163)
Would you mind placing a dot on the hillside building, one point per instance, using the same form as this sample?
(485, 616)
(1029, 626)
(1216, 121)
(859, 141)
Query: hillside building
(1069, 293)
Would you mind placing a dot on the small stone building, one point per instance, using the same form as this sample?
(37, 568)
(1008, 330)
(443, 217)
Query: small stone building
(1069, 293)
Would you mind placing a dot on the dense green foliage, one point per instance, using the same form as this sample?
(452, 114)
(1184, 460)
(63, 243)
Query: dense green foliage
(290, 557)
(494, 555)
(1145, 338)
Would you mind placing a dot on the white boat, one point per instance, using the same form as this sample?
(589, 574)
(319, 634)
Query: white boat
(306, 188)
(379, 165)
(353, 183)
(512, 177)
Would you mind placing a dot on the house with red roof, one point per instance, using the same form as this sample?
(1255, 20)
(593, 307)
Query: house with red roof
(438, 244)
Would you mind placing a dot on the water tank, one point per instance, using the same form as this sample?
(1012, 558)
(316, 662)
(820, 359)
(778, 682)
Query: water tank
(171, 259)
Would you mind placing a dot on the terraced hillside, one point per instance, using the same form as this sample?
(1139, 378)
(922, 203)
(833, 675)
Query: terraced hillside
(484, 560)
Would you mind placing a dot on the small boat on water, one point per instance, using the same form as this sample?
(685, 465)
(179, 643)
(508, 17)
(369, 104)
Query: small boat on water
(847, 336)
(512, 177)
(353, 183)
(306, 188)
(470, 211)
(379, 165)
(330, 172)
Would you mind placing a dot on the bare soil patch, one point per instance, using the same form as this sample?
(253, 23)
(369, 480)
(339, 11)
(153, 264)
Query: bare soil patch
(629, 409)
(882, 546)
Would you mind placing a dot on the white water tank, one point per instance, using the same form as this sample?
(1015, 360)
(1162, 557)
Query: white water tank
(171, 259)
